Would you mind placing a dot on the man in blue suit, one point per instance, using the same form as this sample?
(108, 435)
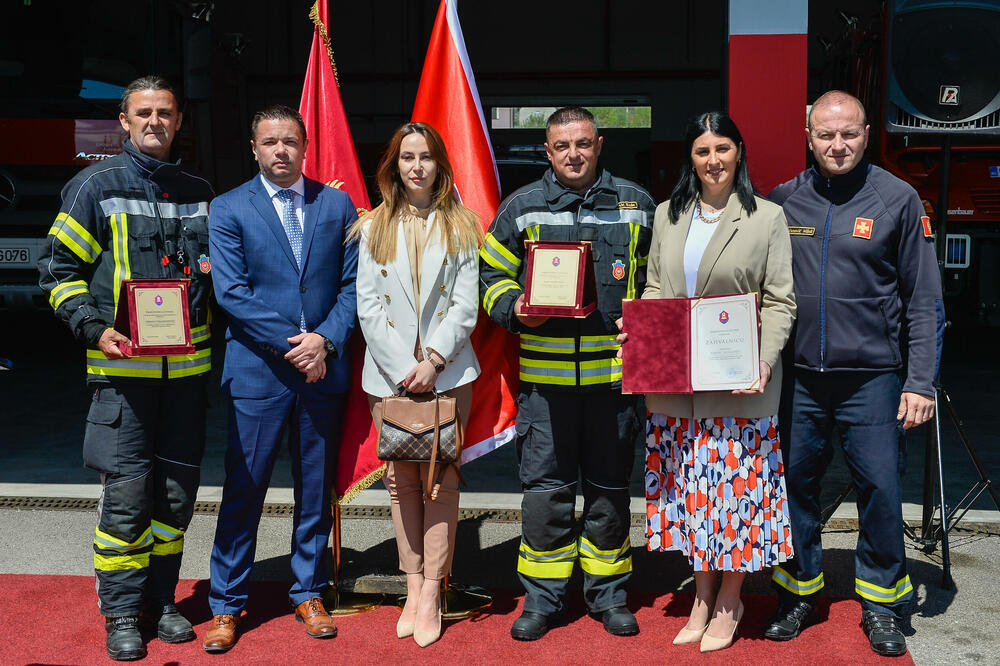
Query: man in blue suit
(286, 278)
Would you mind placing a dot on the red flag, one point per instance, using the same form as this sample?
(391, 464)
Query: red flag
(447, 98)
(331, 159)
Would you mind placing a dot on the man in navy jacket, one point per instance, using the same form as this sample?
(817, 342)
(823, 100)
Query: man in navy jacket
(866, 278)
(286, 278)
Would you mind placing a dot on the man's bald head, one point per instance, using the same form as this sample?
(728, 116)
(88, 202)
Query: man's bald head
(833, 98)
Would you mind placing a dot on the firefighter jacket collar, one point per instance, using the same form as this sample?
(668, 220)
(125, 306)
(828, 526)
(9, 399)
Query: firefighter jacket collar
(841, 189)
(148, 165)
(602, 194)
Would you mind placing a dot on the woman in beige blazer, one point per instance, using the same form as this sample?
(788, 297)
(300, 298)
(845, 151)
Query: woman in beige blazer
(418, 281)
(714, 480)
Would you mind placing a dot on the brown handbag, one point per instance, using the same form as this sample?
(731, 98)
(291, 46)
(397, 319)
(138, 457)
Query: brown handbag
(422, 427)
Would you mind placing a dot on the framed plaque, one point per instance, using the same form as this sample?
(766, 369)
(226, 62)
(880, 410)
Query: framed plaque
(560, 279)
(153, 315)
(683, 345)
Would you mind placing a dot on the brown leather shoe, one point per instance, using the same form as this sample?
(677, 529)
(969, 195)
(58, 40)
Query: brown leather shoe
(318, 622)
(221, 634)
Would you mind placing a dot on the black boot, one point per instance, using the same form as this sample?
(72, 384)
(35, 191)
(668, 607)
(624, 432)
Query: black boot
(124, 640)
(789, 620)
(171, 626)
(619, 622)
(531, 626)
(884, 634)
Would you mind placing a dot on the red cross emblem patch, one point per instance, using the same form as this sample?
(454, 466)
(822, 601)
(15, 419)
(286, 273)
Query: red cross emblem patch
(926, 222)
(863, 228)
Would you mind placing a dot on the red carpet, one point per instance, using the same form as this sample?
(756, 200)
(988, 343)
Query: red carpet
(54, 620)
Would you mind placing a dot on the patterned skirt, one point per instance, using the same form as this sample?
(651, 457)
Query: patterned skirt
(715, 490)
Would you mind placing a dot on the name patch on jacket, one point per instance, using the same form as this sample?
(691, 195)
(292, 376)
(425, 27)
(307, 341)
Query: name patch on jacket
(863, 228)
(801, 231)
(926, 222)
(629, 205)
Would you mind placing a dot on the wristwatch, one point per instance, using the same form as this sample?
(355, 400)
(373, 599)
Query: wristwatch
(328, 345)
(438, 367)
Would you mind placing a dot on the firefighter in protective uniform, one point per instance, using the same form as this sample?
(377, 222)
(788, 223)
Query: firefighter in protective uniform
(573, 421)
(137, 215)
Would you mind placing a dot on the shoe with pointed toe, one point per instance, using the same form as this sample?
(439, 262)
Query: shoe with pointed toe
(686, 636)
(712, 643)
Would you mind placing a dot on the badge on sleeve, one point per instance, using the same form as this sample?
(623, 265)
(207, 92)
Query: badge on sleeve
(618, 269)
(204, 264)
(926, 222)
(863, 228)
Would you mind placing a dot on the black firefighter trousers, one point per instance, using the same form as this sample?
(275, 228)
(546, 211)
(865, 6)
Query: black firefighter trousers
(562, 436)
(146, 438)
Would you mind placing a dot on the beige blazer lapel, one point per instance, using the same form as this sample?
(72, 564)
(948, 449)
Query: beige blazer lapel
(673, 256)
(728, 226)
(432, 261)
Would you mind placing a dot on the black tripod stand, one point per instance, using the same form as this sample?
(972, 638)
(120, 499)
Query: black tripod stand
(932, 531)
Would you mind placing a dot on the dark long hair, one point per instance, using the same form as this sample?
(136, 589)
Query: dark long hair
(688, 187)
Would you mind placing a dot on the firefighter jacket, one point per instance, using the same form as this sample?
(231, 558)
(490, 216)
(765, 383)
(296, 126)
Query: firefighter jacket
(616, 216)
(130, 216)
(865, 274)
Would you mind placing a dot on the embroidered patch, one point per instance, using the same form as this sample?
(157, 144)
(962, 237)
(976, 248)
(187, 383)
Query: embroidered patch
(801, 231)
(863, 228)
(204, 264)
(629, 205)
(618, 269)
(926, 222)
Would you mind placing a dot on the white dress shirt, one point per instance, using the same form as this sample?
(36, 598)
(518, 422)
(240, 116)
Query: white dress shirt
(299, 187)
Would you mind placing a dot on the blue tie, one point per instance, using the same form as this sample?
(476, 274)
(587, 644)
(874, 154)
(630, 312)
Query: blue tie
(291, 224)
(294, 232)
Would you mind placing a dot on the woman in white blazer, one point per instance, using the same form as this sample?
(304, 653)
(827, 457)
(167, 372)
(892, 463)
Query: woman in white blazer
(418, 282)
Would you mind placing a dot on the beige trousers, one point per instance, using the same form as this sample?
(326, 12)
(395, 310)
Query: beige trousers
(425, 529)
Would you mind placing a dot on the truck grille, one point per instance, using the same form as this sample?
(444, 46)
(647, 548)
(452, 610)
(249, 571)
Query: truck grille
(905, 120)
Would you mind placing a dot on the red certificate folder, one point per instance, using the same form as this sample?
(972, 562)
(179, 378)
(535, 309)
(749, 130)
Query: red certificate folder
(659, 354)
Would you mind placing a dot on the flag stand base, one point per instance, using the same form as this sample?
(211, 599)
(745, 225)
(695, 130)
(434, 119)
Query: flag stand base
(345, 602)
(459, 601)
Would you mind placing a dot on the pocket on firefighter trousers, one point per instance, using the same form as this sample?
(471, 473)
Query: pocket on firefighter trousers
(100, 439)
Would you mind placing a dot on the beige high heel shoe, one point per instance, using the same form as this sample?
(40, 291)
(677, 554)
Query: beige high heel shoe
(404, 628)
(711, 643)
(423, 638)
(685, 635)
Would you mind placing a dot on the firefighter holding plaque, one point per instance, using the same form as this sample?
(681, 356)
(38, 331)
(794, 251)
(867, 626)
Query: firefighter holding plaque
(578, 223)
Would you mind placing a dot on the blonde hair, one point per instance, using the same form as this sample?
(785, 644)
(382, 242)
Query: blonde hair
(458, 225)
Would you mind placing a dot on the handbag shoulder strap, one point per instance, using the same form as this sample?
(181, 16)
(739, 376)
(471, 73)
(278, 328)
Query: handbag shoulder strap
(434, 447)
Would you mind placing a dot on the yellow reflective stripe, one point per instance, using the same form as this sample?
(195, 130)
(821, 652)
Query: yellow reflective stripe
(556, 563)
(593, 343)
(190, 364)
(499, 257)
(532, 232)
(633, 243)
(548, 372)
(65, 290)
(165, 532)
(107, 541)
(200, 334)
(120, 562)
(119, 246)
(600, 371)
(168, 547)
(642, 261)
(873, 592)
(82, 232)
(72, 244)
(599, 562)
(493, 293)
(563, 551)
(550, 345)
(802, 588)
(146, 366)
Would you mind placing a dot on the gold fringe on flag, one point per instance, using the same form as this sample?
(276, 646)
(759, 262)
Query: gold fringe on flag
(318, 22)
(361, 485)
